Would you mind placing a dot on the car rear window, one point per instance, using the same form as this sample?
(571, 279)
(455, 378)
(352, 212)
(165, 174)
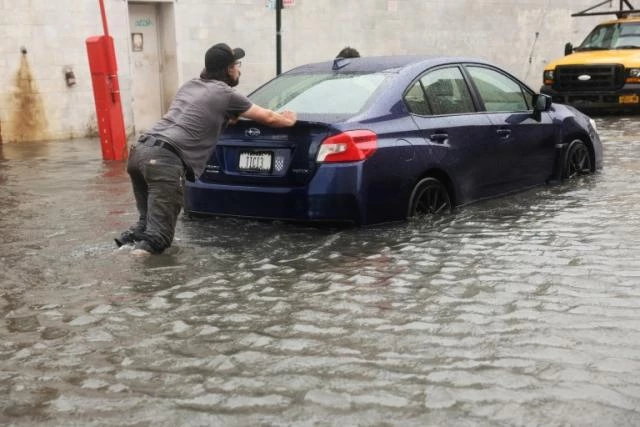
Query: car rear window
(318, 96)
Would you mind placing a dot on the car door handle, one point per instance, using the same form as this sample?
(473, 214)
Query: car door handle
(504, 133)
(440, 138)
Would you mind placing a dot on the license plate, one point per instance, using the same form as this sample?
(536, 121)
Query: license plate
(255, 161)
(629, 99)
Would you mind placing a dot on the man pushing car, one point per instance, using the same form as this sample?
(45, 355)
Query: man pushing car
(179, 145)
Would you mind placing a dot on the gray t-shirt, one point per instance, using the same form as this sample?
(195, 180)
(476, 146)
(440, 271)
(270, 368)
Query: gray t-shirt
(197, 115)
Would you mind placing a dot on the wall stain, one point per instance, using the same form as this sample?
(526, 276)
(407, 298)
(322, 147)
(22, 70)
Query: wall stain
(27, 119)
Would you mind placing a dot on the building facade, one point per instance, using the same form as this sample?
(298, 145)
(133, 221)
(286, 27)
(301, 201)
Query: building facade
(45, 82)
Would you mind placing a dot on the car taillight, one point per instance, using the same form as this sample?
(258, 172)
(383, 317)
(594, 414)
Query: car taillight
(349, 146)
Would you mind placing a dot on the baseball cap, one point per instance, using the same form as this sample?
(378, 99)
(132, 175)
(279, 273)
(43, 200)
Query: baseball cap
(220, 56)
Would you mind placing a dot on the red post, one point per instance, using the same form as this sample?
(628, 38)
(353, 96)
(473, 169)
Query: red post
(106, 92)
(104, 18)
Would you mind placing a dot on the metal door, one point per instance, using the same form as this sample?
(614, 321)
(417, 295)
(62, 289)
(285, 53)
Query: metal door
(147, 88)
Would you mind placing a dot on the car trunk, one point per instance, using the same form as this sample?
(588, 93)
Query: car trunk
(251, 153)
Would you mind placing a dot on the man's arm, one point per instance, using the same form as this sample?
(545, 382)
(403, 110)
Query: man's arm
(270, 117)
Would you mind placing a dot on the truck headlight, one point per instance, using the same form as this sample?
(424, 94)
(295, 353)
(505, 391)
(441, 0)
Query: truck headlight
(633, 75)
(547, 77)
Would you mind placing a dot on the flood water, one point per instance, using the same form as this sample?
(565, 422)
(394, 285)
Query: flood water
(519, 311)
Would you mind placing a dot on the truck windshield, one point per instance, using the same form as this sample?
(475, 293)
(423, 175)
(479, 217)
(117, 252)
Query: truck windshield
(621, 35)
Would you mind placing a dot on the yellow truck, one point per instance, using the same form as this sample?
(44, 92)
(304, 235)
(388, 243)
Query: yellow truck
(602, 74)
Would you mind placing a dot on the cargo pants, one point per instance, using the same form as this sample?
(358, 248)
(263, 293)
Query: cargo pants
(157, 177)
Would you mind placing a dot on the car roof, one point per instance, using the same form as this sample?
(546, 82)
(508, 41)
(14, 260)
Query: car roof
(406, 68)
(380, 63)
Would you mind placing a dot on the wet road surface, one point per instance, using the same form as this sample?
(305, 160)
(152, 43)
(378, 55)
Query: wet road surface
(519, 311)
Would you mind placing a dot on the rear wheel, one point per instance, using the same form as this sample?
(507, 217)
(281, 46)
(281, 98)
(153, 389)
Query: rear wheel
(578, 161)
(429, 197)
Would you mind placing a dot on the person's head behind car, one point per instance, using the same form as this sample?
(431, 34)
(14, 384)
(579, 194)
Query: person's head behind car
(348, 52)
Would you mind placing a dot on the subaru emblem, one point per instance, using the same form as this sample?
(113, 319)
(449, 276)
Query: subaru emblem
(252, 132)
(584, 77)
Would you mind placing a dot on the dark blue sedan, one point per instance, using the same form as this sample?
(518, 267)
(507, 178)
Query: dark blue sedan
(382, 139)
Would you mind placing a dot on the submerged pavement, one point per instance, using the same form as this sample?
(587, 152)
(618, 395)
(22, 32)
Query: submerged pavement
(523, 310)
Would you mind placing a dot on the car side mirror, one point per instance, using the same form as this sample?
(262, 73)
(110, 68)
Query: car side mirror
(541, 102)
(568, 49)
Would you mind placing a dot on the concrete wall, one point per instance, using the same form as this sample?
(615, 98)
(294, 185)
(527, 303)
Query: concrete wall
(36, 104)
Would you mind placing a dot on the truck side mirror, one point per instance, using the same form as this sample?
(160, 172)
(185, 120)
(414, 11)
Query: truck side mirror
(568, 48)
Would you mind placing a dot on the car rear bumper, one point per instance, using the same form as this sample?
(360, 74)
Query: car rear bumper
(625, 99)
(331, 196)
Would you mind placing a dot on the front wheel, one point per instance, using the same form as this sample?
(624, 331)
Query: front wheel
(429, 197)
(578, 160)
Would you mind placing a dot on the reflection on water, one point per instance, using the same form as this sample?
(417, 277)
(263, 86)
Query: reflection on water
(519, 311)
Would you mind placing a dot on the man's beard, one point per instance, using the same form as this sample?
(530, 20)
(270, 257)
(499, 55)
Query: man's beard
(235, 82)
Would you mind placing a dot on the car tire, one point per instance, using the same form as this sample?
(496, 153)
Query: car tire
(429, 197)
(578, 160)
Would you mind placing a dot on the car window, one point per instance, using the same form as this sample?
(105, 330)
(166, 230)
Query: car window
(416, 101)
(319, 94)
(446, 91)
(498, 91)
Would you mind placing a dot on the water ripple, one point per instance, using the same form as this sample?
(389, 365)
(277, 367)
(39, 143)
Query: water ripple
(523, 310)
